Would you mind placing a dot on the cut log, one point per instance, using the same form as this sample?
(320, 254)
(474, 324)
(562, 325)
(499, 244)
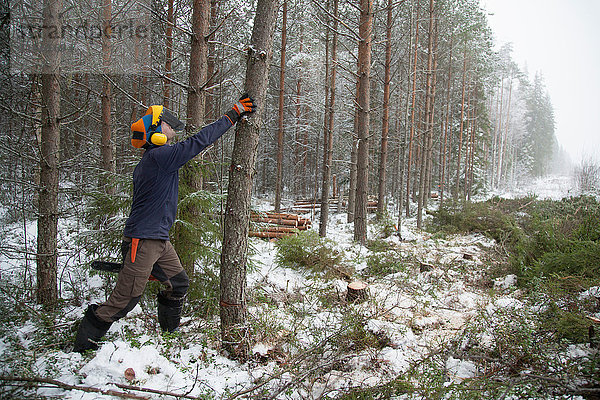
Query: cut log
(357, 291)
(269, 235)
(281, 219)
(282, 229)
(275, 215)
(277, 221)
(271, 225)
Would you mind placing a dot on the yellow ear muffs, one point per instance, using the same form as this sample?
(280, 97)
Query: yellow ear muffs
(158, 138)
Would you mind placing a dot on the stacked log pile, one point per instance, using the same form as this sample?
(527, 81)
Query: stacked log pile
(276, 225)
(305, 206)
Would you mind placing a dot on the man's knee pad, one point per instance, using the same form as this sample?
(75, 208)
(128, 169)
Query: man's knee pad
(125, 310)
(180, 283)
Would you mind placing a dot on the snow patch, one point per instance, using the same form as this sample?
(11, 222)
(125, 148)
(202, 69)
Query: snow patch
(459, 370)
(506, 282)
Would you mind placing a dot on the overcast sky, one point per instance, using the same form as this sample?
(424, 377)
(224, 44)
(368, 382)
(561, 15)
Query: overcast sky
(560, 38)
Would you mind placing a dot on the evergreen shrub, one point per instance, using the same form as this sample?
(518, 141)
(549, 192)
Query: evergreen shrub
(196, 233)
(484, 218)
(203, 294)
(379, 245)
(566, 325)
(384, 226)
(543, 237)
(307, 251)
(383, 264)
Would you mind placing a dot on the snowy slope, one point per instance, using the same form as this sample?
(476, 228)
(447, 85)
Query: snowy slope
(300, 320)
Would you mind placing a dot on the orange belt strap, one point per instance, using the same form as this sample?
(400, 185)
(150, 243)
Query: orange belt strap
(134, 245)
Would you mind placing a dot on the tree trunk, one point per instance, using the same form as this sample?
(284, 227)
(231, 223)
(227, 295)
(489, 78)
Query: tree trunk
(447, 127)
(299, 151)
(353, 160)
(506, 125)
(234, 253)
(404, 145)
(364, 90)
(467, 135)
(108, 164)
(472, 154)
(385, 128)
(468, 144)
(425, 152)
(430, 158)
(462, 120)
(352, 184)
(500, 136)
(168, 56)
(191, 175)
(279, 183)
(328, 126)
(198, 65)
(47, 257)
(503, 136)
(412, 114)
(211, 103)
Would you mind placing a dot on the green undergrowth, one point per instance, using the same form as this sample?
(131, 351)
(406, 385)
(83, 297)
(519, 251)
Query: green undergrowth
(554, 248)
(509, 353)
(307, 251)
(386, 263)
(544, 238)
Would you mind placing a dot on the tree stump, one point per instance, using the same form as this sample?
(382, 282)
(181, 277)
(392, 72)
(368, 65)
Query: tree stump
(357, 291)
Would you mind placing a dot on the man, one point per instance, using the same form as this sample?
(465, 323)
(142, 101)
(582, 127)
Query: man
(146, 247)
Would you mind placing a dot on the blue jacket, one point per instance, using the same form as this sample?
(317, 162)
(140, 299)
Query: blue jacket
(156, 182)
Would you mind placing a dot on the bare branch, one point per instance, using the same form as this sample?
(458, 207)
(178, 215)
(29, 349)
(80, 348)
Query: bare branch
(352, 31)
(66, 386)
(220, 24)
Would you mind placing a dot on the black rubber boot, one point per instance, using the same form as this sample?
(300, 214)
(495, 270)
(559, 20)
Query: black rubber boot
(169, 313)
(91, 330)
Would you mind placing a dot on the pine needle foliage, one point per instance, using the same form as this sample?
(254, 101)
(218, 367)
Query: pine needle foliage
(308, 251)
(543, 237)
(196, 233)
(105, 217)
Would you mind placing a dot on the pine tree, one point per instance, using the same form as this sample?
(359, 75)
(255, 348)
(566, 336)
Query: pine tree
(234, 253)
(539, 124)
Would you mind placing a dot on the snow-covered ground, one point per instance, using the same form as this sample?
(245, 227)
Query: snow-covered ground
(424, 304)
(550, 187)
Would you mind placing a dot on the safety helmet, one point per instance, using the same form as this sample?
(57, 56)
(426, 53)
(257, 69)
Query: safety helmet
(146, 131)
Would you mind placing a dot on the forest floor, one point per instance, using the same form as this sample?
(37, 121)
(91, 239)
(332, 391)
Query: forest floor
(431, 298)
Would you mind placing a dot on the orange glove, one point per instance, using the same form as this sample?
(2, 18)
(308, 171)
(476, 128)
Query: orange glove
(244, 106)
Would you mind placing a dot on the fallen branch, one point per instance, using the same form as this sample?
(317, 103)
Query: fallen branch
(155, 391)
(66, 386)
